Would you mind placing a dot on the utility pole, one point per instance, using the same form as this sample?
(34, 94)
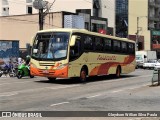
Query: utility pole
(137, 33)
(40, 5)
(41, 17)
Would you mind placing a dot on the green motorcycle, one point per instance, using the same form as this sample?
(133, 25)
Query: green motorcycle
(23, 70)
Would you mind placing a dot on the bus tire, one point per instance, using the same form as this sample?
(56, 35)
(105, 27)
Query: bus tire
(118, 72)
(51, 79)
(83, 75)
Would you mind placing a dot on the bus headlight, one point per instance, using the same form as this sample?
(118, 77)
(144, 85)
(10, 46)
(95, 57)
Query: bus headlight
(60, 67)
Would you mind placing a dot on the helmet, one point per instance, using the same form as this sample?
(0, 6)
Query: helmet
(28, 57)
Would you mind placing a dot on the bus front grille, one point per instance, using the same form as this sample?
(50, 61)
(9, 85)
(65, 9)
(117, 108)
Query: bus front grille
(46, 64)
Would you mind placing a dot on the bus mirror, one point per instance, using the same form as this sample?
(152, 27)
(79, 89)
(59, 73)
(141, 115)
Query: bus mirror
(73, 40)
(35, 50)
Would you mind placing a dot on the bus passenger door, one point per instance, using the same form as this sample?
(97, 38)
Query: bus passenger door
(75, 51)
(74, 61)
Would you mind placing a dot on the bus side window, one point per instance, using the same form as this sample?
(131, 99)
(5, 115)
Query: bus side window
(131, 49)
(75, 50)
(116, 46)
(124, 47)
(88, 43)
(98, 44)
(107, 45)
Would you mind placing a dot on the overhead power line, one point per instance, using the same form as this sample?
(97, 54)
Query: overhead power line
(28, 21)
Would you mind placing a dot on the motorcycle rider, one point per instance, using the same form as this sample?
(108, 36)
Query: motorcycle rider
(28, 58)
(24, 69)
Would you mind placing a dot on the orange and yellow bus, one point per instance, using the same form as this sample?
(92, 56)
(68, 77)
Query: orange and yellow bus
(66, 53)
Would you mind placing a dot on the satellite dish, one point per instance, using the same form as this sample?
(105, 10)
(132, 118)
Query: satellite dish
(39, 4)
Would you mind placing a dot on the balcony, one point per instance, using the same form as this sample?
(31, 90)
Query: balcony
(157, 1)
(154, 18)
(157, 5)
(152, 3)
(29, 1)
(5, 11)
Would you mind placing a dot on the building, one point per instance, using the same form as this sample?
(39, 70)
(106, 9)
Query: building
(144, 20)
(24, 27)
(121, 16)
(98, 8)
(136, 19)
(19, 7)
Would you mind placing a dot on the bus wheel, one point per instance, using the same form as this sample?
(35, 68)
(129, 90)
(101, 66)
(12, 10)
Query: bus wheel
(51, 79)
(83, 75)
(118, 72)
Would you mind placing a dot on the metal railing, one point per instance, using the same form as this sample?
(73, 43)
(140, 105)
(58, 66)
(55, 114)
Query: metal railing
(156, 77)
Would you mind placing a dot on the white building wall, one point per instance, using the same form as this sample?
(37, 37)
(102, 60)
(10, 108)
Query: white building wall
(141, 11)
(24, 27)
(108, 11)
(19, 7)
(0, 7)
(70, 5)
(107, 7)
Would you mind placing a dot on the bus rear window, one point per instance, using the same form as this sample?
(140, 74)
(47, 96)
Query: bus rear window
(131, 48)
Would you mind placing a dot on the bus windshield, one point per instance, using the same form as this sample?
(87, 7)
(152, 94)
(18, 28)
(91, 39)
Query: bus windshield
(50, 46)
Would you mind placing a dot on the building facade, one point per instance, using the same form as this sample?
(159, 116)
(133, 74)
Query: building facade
(144, 22)
(24, 27)
(136, 19)
(121, 17)
(19, 7)
(97, 8)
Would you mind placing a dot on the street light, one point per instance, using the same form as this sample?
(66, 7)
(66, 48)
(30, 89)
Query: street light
(137, 33)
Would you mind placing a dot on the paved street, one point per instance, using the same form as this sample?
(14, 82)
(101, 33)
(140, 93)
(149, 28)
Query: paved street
(131, 92)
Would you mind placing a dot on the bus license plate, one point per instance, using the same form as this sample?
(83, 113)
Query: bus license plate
(45, 71)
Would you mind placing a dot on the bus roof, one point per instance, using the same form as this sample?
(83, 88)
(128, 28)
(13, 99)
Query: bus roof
(72, 30)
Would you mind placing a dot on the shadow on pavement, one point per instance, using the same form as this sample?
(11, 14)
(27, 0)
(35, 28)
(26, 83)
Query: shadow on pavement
(76, 80)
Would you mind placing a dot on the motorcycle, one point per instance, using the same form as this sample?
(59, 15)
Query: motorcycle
(23, 70)
(8, 69)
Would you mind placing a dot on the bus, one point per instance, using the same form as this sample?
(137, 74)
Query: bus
(67, 53)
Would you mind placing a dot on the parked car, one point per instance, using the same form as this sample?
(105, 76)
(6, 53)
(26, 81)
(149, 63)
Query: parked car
(150, 64)
(157, 65)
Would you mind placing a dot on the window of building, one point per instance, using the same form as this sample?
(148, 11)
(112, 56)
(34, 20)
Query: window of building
(4, 9)
(97, 27)
(121, 18)
(29, 9)
(28, 1)
(96, 8)
(86, 25)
